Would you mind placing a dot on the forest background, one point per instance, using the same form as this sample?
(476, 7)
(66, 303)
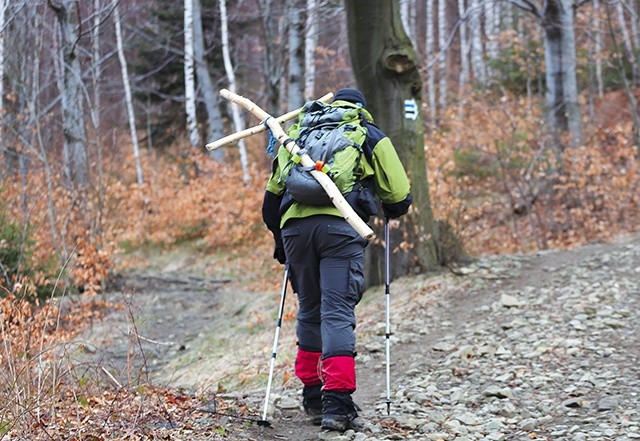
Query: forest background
(105, 108)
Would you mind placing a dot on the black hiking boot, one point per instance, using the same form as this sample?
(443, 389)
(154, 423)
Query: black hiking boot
(339, 412)
(312, 403)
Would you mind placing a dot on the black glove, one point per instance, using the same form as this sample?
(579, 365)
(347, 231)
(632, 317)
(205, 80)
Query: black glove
(278, 251)
(278, 254)
(397, 209)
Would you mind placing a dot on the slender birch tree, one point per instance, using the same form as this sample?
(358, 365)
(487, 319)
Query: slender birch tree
(231, 76)
(3, 7)
(295, 95)
(632, 6)
(597, 41)
(477, 48)
(95, 111)
(189, 77)
(74, 146)
(491, 24)
(408, 15)
(127, 93)
(310, 43)
(210, 97)
(626, 36)
(463, 79)
(431, 74)
(443, 30)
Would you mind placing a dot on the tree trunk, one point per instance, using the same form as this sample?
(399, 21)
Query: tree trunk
(491, 32)
(598, 47)
(96, 116)
(209, 94)
(273, 56)
(231, 76)
(189, 78)
(407, 13)
(310, 43)
(127, 94)
(623, 77)
(431, 74)
(295, 95)
(386, 69)
(626, 36)
(464, 48)
(74, 147)
(477, 50)
(560, 62)
(443, 30)
(3, 7)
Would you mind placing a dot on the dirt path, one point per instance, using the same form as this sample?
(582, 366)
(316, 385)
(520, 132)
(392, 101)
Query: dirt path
(509, 318)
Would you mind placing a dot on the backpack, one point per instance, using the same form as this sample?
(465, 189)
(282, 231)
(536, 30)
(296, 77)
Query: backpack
(333, 137)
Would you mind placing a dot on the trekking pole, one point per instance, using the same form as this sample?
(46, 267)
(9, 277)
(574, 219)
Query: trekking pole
(263, 422)
(387, 282)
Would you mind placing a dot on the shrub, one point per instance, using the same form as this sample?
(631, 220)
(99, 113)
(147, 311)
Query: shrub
(18, 272)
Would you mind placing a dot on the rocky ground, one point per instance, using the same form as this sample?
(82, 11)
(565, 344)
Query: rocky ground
(523, 347)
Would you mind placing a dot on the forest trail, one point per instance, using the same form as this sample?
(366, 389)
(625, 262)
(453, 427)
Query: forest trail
(541, 346)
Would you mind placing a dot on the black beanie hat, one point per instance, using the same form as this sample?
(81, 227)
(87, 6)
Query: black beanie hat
(352, 95)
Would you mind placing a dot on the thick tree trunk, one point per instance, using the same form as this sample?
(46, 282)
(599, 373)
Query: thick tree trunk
(560, 61)
(273, 56)
(74, 148)
(386, 69)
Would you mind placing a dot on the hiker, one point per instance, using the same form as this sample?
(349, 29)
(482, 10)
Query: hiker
(325, 256)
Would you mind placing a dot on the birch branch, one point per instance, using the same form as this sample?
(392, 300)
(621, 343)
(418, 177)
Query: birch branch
(325, 181)
(259, 128)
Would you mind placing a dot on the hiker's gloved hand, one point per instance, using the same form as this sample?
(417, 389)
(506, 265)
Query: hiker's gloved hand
(397, 209)
(278, 250)
(278, 254)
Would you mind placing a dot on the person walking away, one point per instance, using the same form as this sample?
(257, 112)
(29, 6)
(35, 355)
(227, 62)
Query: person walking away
(326, 258)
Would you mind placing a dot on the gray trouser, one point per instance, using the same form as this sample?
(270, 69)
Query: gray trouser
(326, 258)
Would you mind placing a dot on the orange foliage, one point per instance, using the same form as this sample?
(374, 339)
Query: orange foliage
(495, 176)
(208, 201)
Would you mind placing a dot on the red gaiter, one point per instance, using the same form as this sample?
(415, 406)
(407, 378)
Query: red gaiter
(339, 373)
(307, 367)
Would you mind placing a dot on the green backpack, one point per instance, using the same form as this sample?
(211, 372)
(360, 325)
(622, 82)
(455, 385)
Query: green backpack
(333, 137)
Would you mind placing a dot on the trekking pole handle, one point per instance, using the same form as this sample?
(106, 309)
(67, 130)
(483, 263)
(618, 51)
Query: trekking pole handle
(325, 181)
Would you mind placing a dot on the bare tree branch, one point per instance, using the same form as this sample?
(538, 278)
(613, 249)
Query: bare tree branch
(526, 5)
